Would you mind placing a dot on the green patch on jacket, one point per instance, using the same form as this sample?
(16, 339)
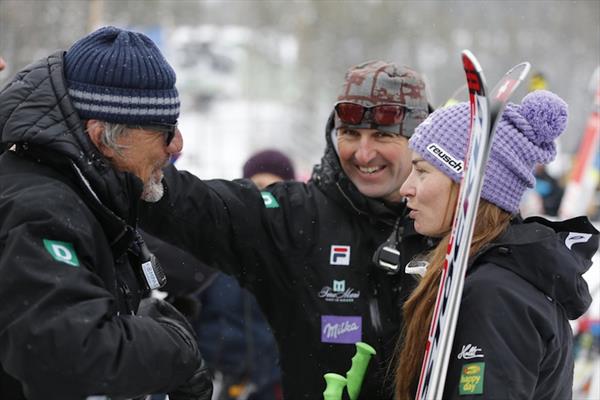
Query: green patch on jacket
(62, 252)
(471, 379)
(269, 199)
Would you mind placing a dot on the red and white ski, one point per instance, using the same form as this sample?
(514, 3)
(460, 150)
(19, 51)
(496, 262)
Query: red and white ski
(485, 113)
(582, 180)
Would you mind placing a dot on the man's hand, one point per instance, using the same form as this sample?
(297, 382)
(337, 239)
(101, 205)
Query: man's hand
(198, 387)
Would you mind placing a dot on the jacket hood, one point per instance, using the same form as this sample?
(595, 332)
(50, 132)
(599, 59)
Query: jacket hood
(36, 112)
(552, 256)
(330, 177)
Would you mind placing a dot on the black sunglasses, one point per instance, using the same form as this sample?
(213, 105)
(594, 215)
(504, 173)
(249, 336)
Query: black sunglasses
(167, 129)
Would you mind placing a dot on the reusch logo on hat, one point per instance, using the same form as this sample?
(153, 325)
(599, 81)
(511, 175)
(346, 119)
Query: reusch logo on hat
(445, 157)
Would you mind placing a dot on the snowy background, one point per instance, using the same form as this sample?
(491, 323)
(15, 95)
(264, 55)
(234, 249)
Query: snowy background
(255, 74)
(265, 73)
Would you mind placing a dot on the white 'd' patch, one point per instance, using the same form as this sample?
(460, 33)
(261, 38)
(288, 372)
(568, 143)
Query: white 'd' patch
(445, 157)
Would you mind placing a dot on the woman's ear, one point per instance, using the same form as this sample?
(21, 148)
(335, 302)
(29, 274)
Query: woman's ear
(95, 129)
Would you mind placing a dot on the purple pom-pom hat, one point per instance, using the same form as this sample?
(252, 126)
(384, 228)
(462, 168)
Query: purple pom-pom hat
(524, 137)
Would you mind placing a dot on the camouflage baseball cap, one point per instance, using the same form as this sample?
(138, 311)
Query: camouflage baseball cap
(377, 82)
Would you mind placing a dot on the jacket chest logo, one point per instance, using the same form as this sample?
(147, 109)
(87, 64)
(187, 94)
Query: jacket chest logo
(341, 329)
(339, 255)
(339, 293)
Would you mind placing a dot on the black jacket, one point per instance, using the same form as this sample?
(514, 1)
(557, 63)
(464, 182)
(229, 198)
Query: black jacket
(513, 338)
(68, 286)
(305, 251)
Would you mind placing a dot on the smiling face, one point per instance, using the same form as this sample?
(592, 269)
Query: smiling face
(143, 153)
(376, 162)
(431, 197)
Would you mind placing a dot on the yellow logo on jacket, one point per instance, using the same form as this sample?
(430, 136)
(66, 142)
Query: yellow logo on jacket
(471, 379)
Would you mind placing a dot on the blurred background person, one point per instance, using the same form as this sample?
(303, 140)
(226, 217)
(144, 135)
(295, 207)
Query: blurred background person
(234, 336)
(231, 328)
(549, 189)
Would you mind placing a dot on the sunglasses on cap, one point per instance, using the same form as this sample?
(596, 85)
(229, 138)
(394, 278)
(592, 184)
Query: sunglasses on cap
(167, 129)
(381, 114)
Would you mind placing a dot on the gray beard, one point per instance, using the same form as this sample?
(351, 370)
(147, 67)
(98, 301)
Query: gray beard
(153, 190)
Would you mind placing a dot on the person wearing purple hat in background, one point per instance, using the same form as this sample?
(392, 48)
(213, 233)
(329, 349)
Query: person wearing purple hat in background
(524, 282)
(324, 258)
(83, 136)
(268, 166)
(233, 334)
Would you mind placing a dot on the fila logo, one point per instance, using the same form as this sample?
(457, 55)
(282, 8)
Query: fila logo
(339, 286)
(340, 255)
(445, 157)
(576, 237)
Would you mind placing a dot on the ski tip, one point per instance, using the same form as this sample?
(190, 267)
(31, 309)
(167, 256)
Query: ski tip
(510, 81)
(520, 70)
(469, 60)
(474, 73)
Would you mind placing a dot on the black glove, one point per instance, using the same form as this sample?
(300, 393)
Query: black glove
(199, 385)
(164, 313)
(188, 305)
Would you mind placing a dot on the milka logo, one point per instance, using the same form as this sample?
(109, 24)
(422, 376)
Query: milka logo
(332, 331)
(341, 329)
(338, 293)
(445, 157)
(469, 351)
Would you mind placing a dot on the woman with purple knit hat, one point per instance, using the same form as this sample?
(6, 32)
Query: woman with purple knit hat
(523, 284)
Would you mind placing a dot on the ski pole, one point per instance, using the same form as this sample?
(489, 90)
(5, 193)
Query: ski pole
(335, 386)
(354, 377)
(356, 374)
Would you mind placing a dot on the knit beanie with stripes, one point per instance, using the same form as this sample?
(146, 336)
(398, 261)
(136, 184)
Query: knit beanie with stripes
(120, 76)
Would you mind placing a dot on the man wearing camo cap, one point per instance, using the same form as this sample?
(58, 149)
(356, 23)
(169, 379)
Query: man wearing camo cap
(326, 258)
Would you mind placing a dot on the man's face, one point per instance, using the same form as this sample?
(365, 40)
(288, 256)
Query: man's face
(145, 153)
(376, 162)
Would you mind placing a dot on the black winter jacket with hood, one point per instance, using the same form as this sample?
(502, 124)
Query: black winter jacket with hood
(68, 290)
(513, 338)
(305, 251)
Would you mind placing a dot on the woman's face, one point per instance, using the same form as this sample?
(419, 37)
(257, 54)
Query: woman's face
(431, 198)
